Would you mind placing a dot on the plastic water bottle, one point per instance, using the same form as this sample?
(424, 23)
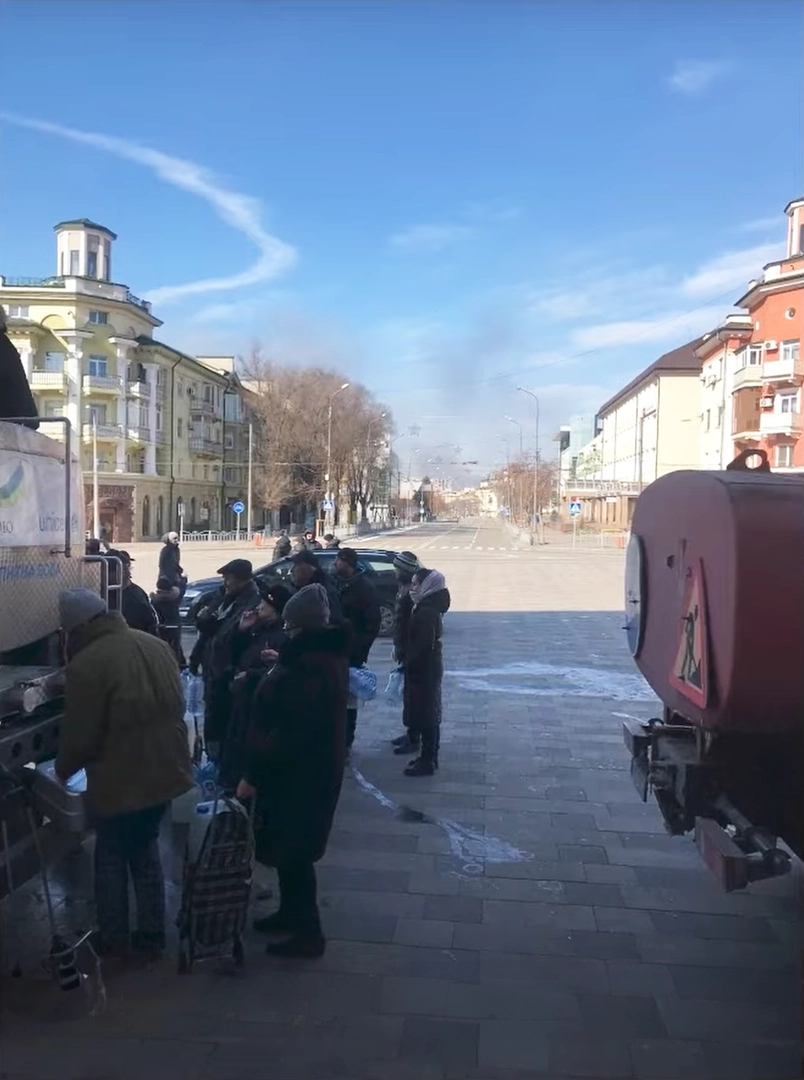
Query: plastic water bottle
(193, 694)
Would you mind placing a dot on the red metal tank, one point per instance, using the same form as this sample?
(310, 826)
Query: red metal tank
(715, 597)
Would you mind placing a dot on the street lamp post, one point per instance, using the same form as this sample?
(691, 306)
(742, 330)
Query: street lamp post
(537, 524)
(328, 512)
(371, 424)
(511, 420)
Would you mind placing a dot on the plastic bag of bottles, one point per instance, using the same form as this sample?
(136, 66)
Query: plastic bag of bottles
(362, 683)
(395, 686)
(206, 778)
(193, 693)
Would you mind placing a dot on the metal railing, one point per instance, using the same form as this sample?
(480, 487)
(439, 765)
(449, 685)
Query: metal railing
(139, 434)
(204, 445)
(102, 382)
(138, 388)
(48, 379)
(105, 431)
(32, 282)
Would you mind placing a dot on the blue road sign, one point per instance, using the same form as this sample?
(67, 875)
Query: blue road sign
(328, 505)
(575, 507)
(238, 507)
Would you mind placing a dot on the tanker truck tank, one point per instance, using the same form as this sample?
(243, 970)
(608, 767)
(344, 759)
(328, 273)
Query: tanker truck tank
(715, 623)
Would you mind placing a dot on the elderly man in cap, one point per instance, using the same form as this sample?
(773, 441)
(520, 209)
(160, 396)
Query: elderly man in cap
(306, 570)
(123, 724)
(135, 607)
(361, 611)
(294, 766)
(217, 623)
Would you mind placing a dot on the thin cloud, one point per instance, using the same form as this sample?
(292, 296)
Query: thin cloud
(671, 326)
(427, 238)
(764, 224)
(241, 212)
(731, 270)
(693, 77)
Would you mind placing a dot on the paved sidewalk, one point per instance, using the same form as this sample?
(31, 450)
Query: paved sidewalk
(521, 915)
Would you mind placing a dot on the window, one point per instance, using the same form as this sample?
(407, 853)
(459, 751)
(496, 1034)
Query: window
(160, 376)
(708, 419)
(180, 386)
(228, 442)
(96, 413)
(54, 361)
(229, 475)
(206, 472)
(789, 350)
(75, 262)
(158, 417)
(98, 365)
(180, 427)
(54, 408)
(18, 311)
(748, 356)
(207, 392)
(786, 403)
(100, 318)
(720, 411)
(92, 264)
(801, 239)
(784, 457)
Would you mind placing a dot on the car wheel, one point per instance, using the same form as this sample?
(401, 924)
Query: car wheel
(386, 620)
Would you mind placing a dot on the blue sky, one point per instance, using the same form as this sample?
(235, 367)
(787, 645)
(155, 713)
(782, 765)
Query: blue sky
(445, 199)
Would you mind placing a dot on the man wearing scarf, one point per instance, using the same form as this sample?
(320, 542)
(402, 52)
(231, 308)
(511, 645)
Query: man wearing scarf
(424, 668)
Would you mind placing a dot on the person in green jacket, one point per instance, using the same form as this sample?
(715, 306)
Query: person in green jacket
(124, 724)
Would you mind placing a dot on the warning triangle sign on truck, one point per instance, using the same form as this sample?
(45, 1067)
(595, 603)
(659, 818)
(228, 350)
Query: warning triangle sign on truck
(690, 674)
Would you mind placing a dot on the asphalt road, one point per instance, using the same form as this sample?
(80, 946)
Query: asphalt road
(520, 915)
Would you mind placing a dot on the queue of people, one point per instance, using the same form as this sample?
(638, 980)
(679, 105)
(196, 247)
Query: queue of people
(279, 720)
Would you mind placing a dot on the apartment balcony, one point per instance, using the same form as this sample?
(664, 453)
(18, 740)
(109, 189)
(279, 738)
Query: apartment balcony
(750, 375)
(47, 380)
(102, 384)
(138, 434)
(783, 371)
(202, 445)
(779, 423)
(105, 431)
(138, 389)
(201, 408)
(745, 429)
(161, 438)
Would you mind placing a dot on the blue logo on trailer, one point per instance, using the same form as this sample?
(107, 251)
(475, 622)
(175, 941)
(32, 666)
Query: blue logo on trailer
(575, 507)
(238, 507)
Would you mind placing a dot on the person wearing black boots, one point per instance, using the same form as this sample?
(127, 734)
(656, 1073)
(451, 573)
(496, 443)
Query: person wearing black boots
(405, 566)
(424, 667)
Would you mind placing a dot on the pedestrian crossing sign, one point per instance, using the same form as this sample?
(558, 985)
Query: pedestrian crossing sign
(690, 673)
(575, 507)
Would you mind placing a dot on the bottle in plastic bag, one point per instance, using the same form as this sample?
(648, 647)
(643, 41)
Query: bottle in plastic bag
(395, 686)
(362, 683)
(193, 693)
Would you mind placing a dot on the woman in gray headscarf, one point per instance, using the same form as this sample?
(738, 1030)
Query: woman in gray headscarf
(424, 667)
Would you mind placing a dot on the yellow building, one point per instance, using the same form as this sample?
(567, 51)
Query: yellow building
(159, 416)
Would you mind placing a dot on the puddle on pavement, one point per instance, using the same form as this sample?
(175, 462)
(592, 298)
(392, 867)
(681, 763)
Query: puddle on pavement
(534, 679)
(472, 848)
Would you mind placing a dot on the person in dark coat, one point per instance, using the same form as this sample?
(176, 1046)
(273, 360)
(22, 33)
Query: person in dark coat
(135, 607)
(255, 647)
(331, 541)
(361, 610)
(405, 566)
(165, 602)
(216, 622)
(16, 398)
(282, 548)
(306, 570)
(310, 541)
(170, 561)
(295, 763)
(424, 667)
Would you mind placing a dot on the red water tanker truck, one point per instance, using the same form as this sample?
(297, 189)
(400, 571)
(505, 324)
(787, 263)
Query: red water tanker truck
(714, 598)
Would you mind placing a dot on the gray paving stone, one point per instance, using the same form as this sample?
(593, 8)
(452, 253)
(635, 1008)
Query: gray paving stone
(725, 1020)
(401, 904)
(724, 954)
(731, 1060)
(457, 965)
(384, 881)
(510, 1044)
(594, 895)
(607, 1016)
(341, 924)
(560, 916)
(668, 1059)
(454, 908)
(504, 1000)
(635, 978)
(624, 920)
(712, 927)
(582, 974)
(736, 984)
(414, 995)
(537, 869)
(451, 1043)
(607, 1059)
(356, 840)
(428, 932)
(610, 875)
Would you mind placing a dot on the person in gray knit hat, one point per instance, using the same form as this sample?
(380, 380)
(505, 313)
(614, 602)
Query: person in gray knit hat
(294, 765)
(124, 724)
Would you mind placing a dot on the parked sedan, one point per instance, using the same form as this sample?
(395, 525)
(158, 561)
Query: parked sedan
(378, 566)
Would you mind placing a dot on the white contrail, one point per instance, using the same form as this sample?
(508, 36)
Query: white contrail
(242, 212)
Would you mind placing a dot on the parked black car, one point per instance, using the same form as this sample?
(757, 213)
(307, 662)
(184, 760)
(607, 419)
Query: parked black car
(379, 565)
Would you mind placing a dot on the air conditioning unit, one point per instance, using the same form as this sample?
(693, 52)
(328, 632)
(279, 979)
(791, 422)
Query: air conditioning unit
(766, 403)
(770, 346)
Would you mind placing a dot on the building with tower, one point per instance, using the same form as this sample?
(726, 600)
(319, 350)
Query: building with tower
(157, 416)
